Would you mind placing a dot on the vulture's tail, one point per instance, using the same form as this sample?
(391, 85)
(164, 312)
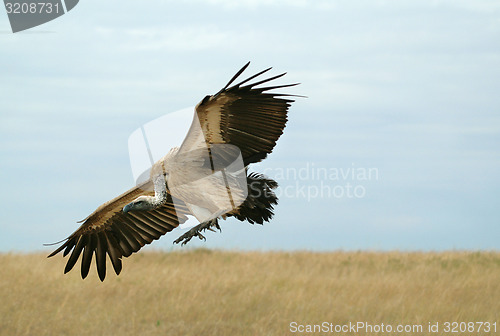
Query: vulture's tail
(258, 206)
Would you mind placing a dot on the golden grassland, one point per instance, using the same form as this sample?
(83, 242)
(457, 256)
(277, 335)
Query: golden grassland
(210, 292)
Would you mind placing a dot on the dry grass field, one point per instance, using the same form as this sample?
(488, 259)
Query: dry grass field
(205, 292)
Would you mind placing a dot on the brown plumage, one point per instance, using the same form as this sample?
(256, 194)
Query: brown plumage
(246, 116)
(108, 230)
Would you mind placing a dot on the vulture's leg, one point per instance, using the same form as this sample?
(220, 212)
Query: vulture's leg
(196, 231)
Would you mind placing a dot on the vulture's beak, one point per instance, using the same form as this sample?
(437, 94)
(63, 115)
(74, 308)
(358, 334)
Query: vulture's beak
(127, 208)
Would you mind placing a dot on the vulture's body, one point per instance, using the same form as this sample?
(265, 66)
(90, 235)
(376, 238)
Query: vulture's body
(244, 117)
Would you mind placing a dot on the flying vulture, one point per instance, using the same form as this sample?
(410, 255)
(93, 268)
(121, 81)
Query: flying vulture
(241, 122)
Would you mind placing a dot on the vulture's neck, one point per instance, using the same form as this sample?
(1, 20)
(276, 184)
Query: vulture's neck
(160, 186)
(159, 180)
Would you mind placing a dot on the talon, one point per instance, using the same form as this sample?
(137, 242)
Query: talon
(196, 232)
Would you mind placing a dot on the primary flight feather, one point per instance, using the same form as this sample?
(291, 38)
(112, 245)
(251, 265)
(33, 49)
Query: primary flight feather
(242, 116)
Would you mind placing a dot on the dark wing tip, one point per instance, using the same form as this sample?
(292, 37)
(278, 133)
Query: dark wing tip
(235, 76)
(52, 244)
(60, 248)
(88, 251)
(100, 255)
(260, 82)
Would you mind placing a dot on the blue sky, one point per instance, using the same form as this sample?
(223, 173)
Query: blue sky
(409, 89)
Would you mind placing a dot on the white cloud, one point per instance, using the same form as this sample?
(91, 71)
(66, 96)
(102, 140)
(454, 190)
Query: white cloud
(254, 4)
(188, 38)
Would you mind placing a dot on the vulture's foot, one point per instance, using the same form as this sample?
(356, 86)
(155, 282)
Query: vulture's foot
(196, 231)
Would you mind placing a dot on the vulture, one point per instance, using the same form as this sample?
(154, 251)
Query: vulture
(206, 177)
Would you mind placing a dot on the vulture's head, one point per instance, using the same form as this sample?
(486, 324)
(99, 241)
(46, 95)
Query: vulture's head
(141, 203)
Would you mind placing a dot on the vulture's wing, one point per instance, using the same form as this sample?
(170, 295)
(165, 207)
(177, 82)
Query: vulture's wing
(249, 117)
(108, 230)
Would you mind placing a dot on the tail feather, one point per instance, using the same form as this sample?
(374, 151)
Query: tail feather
(259, 205)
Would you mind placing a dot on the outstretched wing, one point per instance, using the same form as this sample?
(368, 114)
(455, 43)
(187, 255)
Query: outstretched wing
(108, 230)
(249, 117)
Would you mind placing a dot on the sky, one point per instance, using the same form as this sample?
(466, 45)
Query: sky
(396, 146)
